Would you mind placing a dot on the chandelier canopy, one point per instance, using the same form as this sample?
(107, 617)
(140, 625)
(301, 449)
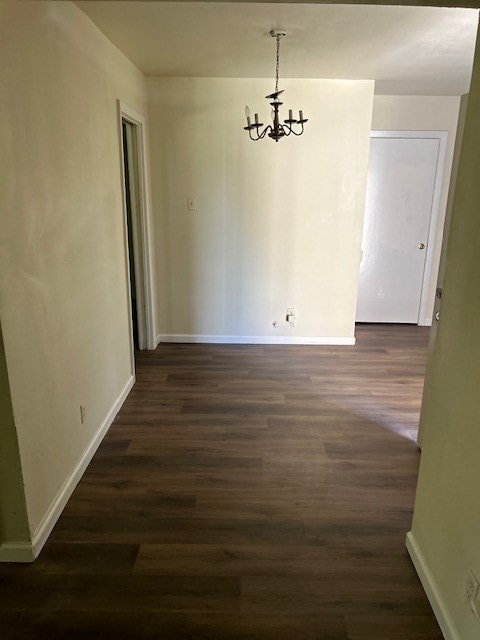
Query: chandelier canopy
(275, 131)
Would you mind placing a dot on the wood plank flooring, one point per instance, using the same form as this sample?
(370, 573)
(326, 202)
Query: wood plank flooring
(243, 492)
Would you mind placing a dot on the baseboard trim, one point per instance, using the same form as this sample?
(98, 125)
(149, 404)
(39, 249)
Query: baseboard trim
(207, 339)
(426, 322)
(431, 589)
(49, 520)
(16, 552)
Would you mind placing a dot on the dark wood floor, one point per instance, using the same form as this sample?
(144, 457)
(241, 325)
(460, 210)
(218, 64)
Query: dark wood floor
(253, 492)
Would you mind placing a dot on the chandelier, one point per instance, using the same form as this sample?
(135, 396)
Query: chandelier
(277, 131)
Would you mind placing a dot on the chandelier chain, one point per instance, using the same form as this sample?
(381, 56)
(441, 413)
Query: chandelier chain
(278, 62)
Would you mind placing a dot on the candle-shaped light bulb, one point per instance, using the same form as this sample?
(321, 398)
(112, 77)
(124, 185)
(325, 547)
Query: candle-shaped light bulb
(300, 113)
(247, 111)
(256, 118)
(290, 114)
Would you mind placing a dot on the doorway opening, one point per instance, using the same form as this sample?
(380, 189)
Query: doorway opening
(137, 253)
(131, 210)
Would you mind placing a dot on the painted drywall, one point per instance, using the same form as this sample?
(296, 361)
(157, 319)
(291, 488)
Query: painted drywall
(63, 278)
(453, 181)
(446, 230)
(276, 225)
(13, 509)
(446, 522)
(423, 113)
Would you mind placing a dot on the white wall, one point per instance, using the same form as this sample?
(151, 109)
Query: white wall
(423, 113)
(63, 283)
(276, 225)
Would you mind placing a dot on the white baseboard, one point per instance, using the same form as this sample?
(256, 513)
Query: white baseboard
(202, 338)
(16, 552)
(426, 322)
(50, 518)
(431, 589)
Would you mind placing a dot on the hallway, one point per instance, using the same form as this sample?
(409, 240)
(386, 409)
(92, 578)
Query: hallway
(243, 492)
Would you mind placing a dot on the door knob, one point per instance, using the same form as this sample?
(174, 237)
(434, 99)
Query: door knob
(421, 245)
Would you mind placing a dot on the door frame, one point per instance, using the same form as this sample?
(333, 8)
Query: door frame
(441, 136)
(142, 249)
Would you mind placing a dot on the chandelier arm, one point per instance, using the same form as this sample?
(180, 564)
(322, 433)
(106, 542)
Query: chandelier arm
(261, 135)
(297, 134)
(264, 132)
(251, 137)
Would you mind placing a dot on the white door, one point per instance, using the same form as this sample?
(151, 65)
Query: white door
(400, 191)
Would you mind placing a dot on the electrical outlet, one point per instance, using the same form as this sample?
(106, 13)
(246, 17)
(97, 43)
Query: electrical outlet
(191, 204)
(83, 413)
(472, 588)
(291, 316)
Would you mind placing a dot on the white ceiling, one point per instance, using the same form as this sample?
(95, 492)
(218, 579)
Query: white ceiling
(406, 50)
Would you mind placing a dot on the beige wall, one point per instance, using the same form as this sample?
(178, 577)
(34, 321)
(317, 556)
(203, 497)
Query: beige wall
(63, 287)
(448, 217)
(276, 225)
(423, 113)
(453, 180)
(446, 523)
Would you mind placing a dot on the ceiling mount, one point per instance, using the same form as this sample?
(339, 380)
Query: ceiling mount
(278, 33)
